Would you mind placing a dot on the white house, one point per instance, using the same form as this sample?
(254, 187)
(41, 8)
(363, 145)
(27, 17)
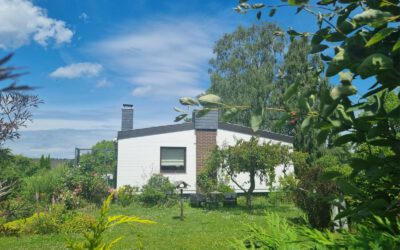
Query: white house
(178, 151)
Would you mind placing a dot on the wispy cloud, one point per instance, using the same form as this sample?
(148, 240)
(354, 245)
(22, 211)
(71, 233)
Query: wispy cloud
(58, 143)
(77, 70)
(84, 17)
(103, 83)
(165, 57)
(22, 21)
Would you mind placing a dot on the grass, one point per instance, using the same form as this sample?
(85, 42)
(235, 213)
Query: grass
(201, 229)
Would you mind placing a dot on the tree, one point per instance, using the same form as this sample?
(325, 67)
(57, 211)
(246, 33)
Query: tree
(255, 159)
(244, 67)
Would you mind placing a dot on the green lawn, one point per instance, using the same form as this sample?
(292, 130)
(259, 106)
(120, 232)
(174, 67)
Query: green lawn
(201, 229)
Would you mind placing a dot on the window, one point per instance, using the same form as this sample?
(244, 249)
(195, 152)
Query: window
(173, 160)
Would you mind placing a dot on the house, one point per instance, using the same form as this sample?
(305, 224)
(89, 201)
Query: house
(179, 151)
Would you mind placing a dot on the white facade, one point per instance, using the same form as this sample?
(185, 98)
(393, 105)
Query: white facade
(139, 157)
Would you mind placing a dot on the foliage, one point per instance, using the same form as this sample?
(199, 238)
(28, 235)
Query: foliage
(15, 208)
(15, 107)
(126, 195)
(48, 184)
(86, 183)
(367, 37)
(277, 233)
(158, 191)
(244, 67)
(45, 162)
(42, 223)
(78, 223)
(94, 237)
(102, 160)
(71, 200)
(256, 159)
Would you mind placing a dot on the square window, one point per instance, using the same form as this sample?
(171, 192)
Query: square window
(173, 160)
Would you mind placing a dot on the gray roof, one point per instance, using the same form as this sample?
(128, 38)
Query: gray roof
(190, 126)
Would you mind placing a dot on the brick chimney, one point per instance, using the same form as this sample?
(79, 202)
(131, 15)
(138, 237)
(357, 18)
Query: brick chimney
(127, 117)
(206, 136)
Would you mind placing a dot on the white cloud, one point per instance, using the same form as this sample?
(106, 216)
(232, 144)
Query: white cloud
(166, 58)
(21, 22)
(77, 70)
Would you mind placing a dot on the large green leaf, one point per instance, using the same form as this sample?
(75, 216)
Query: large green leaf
(318, 48)
(380, 35)
(344, 139)
(347, 27)
(370, 16)
(188, 101)
(305, 125)
(339, 62)
(373, 64)
(290, 91)
(209, 99)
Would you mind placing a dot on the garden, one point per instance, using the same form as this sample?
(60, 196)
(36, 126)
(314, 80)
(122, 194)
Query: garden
(343, 193)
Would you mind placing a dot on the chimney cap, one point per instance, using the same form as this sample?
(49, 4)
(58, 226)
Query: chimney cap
(127, 105)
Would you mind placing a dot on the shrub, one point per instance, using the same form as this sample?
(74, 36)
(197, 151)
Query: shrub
(17, 208)
(158, 191)
(126, 195)
(78, 223)
(47, 183)
(71, 200)
(43, 223)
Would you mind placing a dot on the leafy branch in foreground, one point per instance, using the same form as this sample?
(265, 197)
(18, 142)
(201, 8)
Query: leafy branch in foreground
(365, 38)
(94, 237)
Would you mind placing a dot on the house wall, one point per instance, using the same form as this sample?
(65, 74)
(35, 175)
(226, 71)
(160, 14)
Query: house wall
(229, 138)
(139, 158)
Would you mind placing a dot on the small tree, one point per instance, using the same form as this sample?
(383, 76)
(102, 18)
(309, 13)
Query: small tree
(255, 159)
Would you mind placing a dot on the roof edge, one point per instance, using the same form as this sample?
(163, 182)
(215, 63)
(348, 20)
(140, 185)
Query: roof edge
(249, 131)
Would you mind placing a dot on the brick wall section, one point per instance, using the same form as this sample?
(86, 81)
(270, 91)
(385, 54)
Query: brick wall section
(206, 140)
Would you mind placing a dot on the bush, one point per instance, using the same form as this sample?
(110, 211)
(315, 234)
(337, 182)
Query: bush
(43, 223)
(126, 195)
(78, 223)
(47, 183)
(71, 200)
(158, 191)
(14, 209)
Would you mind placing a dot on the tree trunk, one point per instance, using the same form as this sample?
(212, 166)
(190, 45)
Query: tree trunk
(251, 188)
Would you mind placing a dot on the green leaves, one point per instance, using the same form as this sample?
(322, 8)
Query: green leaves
(188, 101)
(290, 91)
(371, 16)
(373, 64)
(209, 100)
(380, 35)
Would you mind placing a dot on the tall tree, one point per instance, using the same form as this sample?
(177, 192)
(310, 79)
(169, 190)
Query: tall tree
(244, 66)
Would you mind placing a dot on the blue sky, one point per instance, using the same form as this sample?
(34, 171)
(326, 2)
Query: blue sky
(88, 57)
